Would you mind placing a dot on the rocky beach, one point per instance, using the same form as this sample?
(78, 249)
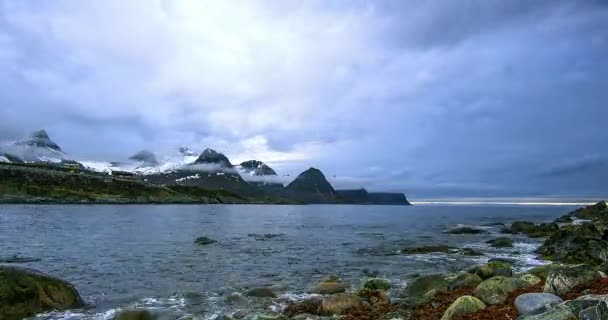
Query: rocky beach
(568, 282)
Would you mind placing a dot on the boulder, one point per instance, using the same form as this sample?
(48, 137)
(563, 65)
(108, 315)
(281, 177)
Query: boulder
(563, 280)
(553, 314)
(532, 230)
(309, 306)
(134, 314)
(25, 292)
(502, 242)
(377, 284)
(581, 303)
(543, 271)
(338, 303)
(464, 280)
(496, 290)
(576, 244)
(423, 285)
(494, 268)
(535, 303)
(530, 279)
(598, 211)
(261, 293)
(428, 249)
(588, 314)
(463, 305)
(330, 285)
(374, 297)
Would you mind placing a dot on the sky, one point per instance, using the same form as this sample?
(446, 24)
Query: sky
(437, 99)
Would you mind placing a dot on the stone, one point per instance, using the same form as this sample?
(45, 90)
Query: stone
(576, 244)
(309, 306)
(330, 285)
(535, 303)
(494, 268)
(428, 249)
(338, 303)
(464, 280)
(553, 314)
(530, 279)
(134, 314)
(502, 242)
(496, 289)
(377, 283)
(374, 297)
(543, 271)
(588, 314)
(423, 285)
(466, 230)
(25, 292)
(463, 305)
(580, 304)
(203, 241)
(236, 298)
(261, 293)
(563, 280)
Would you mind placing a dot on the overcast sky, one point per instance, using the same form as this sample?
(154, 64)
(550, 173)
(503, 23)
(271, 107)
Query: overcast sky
(434, 98)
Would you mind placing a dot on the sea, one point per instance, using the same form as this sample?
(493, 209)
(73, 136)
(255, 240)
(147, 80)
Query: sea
(145, 256)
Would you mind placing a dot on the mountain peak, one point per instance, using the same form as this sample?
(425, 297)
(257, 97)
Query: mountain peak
(257, 168)
(40, 139)
(210, 156)
(311, 181)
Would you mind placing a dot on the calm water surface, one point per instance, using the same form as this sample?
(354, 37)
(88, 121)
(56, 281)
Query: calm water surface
(144, 256)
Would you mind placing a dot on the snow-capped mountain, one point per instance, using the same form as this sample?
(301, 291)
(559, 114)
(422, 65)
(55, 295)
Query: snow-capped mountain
(146, 162)
(37, 148)
(256, 168)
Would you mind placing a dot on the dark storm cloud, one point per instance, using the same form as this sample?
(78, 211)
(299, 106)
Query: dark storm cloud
(435, 98)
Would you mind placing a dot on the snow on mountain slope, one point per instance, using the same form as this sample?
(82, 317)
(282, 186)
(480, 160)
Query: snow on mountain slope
(37, 148)
(169, 163)
(4, 159)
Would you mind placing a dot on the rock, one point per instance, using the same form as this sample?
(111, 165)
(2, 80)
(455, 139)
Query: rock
(532, 230)
(581, 303)
(535, 303)
(423, 285)
(494, 268)
(338, 303)
(135, 314)
(236, 298)
(530, 279)
(553, 314)
(602, 308)
(428, 249)
(261, 293)
(598, 211)
(25, 292)
(563, 280)
(588, 314)
(543, 271)
(262, 316)
(496, 289)
(470, 252)
(202, 241)
(309, 306)
(374, 297)
(464, 280)
(466, 230)
(331, 285)
(576, 244)
(463, 305)
(376, 283)
(502, 242)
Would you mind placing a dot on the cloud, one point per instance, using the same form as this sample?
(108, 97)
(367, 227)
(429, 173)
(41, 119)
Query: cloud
(440, 97)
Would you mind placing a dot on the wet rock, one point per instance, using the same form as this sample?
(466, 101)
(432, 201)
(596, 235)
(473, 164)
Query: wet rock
(331, 285)
(263, 316)
(463, 305)
(581, 303)
(25, 292)
(236, 298)
(338, 303)
(598, 211)
(532, 230)
(543, 271)
(470, 252)
(428, 249)
(502, 242)
(535, 303)
(377, 284)
(464, 280)
(492, 269)
(576, 244)
(496, 289)
(135, 314)
(466, 230)
(563, 280)
(203, 241)
(261, 293)
(423, 285)
(18, 259)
